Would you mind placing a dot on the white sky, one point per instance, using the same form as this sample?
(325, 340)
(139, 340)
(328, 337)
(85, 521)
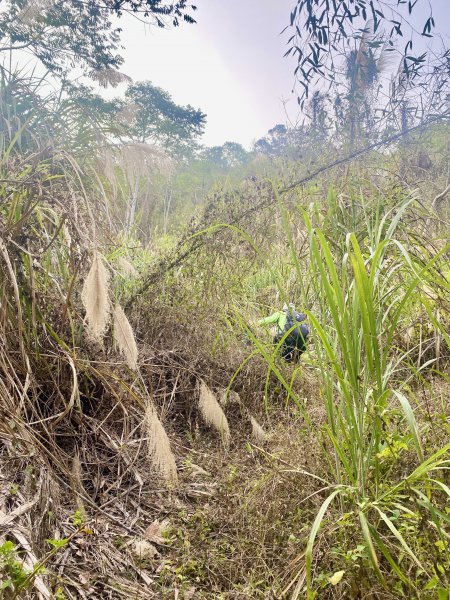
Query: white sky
(230, 64)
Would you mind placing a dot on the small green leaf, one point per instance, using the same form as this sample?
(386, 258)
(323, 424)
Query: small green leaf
(58, 543)
(336, 578)
(7, 548)
(432, 583)
(6, 584)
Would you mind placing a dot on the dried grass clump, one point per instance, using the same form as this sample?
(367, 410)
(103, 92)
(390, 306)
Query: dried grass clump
(95, 298)
(212, 413)
(228, 397)
(126, 267)
(143, 549)
(160, 452)
(124, 338)
(258, 433)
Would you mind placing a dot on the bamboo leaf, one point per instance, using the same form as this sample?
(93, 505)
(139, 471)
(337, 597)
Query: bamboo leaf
(400, 538)
(370, 546)
(312, 536)
(409, 414)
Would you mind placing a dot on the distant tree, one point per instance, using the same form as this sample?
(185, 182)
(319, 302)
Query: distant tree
(63, 34)
(230, 154)
(288, 142)
(154, 117)
(146, 115)
(274, 143)
(262, 146)
(91, 105)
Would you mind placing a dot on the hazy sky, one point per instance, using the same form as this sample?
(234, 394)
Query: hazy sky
(230, 64)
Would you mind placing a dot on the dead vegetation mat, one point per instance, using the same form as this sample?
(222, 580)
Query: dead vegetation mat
(89, 517)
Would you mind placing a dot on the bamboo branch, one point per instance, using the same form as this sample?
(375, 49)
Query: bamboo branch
(181, 252)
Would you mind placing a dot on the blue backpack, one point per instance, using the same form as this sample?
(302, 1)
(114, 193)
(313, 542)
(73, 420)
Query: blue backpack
(300, 333)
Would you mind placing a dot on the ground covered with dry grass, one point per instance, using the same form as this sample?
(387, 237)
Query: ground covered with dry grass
(236, 525)
(230, 529)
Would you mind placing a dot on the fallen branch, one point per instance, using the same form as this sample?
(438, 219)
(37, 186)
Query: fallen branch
(365, 150)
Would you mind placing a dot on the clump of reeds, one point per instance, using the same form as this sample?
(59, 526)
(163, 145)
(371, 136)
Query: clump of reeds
(212, 413)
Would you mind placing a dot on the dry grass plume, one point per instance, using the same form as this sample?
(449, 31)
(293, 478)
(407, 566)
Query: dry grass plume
(212, 413)
(126, 267)
(160, 452)
(258, 433)
(95, 298)
(124, 338)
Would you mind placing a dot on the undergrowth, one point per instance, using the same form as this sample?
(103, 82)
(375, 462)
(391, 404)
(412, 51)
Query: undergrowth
(153, 442)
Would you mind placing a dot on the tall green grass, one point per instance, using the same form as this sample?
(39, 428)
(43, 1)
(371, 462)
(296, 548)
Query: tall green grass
(365, 285)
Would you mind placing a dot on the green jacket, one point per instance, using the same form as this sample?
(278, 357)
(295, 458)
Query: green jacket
(278, 318)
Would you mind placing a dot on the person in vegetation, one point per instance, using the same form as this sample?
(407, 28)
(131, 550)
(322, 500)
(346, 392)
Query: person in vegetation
(295, 342)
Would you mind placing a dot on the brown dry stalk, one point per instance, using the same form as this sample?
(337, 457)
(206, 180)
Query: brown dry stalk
(124, 338)
(77, 483)
(95, 298)
(212, 413)
(160, 452)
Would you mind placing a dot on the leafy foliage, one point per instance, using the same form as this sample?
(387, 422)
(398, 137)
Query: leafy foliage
(324, 30)
(158, 9)
(360, 463)
(68, 33)
(227, 156)
(158, 119)
(12, 572)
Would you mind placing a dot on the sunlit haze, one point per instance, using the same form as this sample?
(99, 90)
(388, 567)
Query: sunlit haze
(229, 64)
